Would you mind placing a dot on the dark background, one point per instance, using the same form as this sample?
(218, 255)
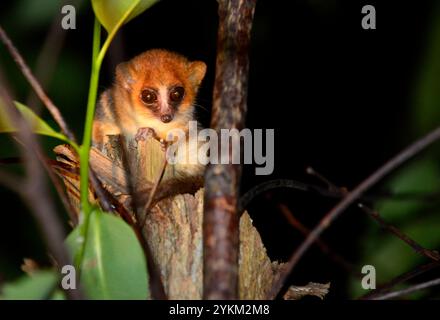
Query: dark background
(341, 99)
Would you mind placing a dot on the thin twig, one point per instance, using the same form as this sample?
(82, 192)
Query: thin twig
(68, 206)
(400, 279)
(348, 266)
(54, 111)
(60, 190)
(103, 196)
(389, 166)
(35, 191)
(97, 186)
(409, 290)
(48, 103)
(263, 187)
(331, 186)
(57, 185)
(430, 254)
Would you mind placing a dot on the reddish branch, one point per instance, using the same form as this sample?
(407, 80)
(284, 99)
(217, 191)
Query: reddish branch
(58, 187)
(330, 192)
(220, 221)
(35, 192)
(351, 197)
(431, 254)
(348, 266)
(56, 114)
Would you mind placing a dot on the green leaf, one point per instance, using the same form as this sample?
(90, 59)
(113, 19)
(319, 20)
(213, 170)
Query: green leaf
(37, 286)
(37, 124)
(112, 13)
(114, 265)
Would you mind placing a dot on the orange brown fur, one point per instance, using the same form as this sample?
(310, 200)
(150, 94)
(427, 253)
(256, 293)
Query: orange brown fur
(121, 110)
(126, 113)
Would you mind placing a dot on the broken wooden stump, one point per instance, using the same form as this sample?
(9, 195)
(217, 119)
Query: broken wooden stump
(173, 227)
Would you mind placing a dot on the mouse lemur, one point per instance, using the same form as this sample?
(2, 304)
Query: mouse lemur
(157, 90)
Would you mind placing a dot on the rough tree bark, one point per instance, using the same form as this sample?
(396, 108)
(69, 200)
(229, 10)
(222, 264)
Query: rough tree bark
(220, 228)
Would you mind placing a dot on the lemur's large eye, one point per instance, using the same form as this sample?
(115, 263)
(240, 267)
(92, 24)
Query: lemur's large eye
(176, 94)
(148, 96)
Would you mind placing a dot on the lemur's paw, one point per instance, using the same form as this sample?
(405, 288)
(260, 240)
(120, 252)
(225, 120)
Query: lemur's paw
(144, 133)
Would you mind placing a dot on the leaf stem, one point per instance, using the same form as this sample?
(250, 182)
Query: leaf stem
(86, 143)
(98, 57)
(84, 151)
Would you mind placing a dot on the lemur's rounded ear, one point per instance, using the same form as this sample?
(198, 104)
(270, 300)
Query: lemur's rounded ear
(197, 71)
(124, 75)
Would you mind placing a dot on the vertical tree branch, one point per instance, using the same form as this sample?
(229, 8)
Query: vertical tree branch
(220, 221)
